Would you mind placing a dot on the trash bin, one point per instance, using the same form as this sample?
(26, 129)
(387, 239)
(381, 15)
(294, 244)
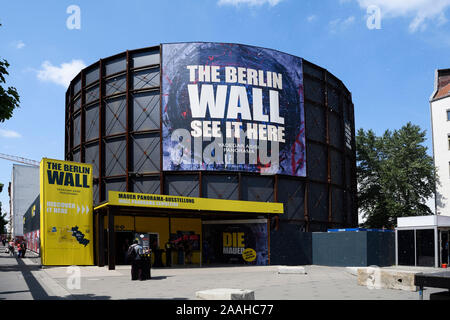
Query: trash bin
(146, 265)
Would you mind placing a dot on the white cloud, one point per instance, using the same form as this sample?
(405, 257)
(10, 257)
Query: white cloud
(341, 24)
(311, 18)
(272, 3)
(419, 10)
(9, 134)
(61, 75)
(20, 44)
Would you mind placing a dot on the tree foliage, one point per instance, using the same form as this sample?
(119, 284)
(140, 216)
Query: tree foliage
(395, 174)
(9, 98)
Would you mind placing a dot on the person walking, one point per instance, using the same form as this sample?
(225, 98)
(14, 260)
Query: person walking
(19, 250)
(23, 246)
(133, 256)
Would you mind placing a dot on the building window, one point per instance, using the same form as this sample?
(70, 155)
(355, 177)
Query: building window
(448, 139)
(448, 115)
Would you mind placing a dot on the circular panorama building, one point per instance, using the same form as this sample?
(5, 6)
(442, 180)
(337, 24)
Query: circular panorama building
(220, 121)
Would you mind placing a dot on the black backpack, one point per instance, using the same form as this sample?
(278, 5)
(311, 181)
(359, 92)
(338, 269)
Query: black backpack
(131, 253)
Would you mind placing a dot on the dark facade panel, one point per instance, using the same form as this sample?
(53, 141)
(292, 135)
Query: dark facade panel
(291, 192)
(92, 94)
(144, 79)
(115, 85)
(336, 131)
(318, 202)
(146, 184)
(337, 206)
(115, 116)
(115, 157)
(92, 122)
(181, 185)
(314, 90)
(336, 159)
(146, 111)
(317, 161)
(257, 188)
(146, 58)
(91, 156)
(316, 122)
(146, 153)
(115, 65)
(220, 186)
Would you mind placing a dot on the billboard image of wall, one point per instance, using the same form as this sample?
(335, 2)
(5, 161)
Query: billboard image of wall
(31, 225)
(66, 227)
(235, 242)
(231, 107)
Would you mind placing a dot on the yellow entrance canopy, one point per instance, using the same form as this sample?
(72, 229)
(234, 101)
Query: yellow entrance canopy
(129, 199)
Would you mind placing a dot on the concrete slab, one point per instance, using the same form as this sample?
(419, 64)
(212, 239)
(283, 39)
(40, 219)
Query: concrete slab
(378, 278)
(225, 294)
(291, 270)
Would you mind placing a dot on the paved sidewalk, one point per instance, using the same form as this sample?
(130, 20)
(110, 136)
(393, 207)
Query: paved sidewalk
(25, 279)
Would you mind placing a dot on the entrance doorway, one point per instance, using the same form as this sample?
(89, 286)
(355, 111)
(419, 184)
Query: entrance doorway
(123, 240)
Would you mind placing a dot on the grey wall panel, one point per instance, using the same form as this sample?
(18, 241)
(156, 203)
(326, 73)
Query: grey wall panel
(318, 202)
(145, 153)
(146, 111)
(146, 58)
(92, 122)
(77, 130)
(181, 185)
(92, 94)
(115, 116)
(147, 184)
(292, 194)
(257, 188)
(115, 65)
(77, 86)
(77, 104)
(115, 85)
(343, 249)
(316, 163)
(92, 156)
(91, 75)
(77, 155)
(115, 185)
(144, 79)
(220, 186)
(115, 157)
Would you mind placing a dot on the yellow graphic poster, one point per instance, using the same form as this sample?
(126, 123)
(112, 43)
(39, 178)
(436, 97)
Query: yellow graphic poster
(66, 227)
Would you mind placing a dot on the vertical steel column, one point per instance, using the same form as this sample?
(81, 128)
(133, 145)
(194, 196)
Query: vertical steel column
(161, 173)
(83, 117)
(111, 239)
(127, 137)
(200, 178)
(328, 141)
(101, 128)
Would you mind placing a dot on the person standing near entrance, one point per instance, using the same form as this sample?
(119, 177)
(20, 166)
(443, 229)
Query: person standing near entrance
(168, 254)
(133, 256)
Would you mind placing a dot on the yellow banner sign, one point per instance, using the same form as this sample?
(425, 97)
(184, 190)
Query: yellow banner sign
(66, 213)
(188, 203)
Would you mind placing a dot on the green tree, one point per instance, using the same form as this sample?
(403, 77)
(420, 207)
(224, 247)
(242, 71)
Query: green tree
(9, 98)
(395, 175)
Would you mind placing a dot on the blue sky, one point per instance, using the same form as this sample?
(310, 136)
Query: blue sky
(390, 71)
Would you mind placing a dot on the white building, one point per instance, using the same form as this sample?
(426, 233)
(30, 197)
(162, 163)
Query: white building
(440, 120)
(24, 190)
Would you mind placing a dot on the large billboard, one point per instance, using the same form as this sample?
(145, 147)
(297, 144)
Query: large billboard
(230, 107)
(66, 227)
